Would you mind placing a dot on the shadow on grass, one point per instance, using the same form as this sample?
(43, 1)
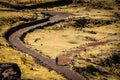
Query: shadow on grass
(14, 29)
(42, 5)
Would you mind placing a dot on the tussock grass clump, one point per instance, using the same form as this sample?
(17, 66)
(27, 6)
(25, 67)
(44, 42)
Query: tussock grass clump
(113, 60)
(27, 2)
(8, 21)
(26, 63)
(84, 22)
(99, 4)
(92, 70)
(72, 42)
(9, 18)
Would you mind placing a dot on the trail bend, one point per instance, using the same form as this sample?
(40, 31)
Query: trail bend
(14, 39)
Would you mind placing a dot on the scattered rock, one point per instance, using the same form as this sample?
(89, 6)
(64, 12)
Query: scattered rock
(9, 71)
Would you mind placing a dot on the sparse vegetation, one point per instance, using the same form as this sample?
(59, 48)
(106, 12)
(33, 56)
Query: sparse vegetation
(27, 2)
(7, 54)
(72, 42)
(65, 35)
(99, 4)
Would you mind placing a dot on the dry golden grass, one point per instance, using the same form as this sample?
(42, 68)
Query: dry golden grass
(97, 57)
(52, 40)
(27, 2)
(27, 65)
(61, 39)
(25, 62)
(57, 41)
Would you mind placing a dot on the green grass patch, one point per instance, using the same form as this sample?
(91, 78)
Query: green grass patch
(72, 42)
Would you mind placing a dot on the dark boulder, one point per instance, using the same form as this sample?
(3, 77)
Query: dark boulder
(9, 71)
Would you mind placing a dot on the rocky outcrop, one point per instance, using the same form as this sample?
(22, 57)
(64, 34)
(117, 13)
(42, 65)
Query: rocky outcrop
(9, 71)
(63, 60)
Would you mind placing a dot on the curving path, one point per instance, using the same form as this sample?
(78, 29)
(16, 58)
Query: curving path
(14, 38)
(65, 58)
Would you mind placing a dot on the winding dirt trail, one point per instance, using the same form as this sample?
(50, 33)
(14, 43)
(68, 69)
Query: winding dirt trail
(14, 39)
(64, 59)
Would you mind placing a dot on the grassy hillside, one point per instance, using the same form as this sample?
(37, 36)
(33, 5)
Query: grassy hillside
(100, 22)
(27, 2)
(25, 62)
